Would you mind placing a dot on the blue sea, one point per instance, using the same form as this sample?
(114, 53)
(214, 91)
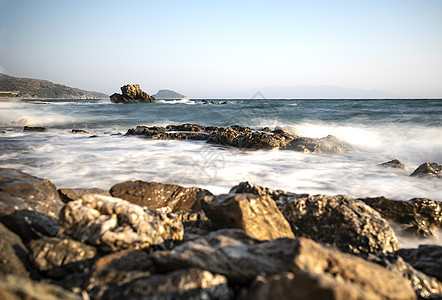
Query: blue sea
(382, 130)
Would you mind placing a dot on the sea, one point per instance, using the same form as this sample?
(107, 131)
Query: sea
(382, 129)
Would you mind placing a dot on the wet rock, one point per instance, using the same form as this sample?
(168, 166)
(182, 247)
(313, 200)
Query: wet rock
(428, 170)
(214, 102)
(114, 224)
(241, 258)
(35, 129)
(48, 253)
(395, 164)
(304, 286)
(15, 287)
(13, 254)
(247, 187)
(131, 94)
(328, 144)
(258, 216)
(161, 196)
(426, 258)
(195, 219)
(30, 225)
(418, 216)
(20, 191)
(183, 284)
(80, 131)
(67, 194)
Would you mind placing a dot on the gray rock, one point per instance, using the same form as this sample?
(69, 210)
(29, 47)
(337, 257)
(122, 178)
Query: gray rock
(114, 224)
(258, 216)
(13, 254)
(426, 258)
(328, 144)
(428, 170)
(20, 191)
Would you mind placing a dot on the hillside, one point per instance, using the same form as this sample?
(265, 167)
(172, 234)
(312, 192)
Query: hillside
(34, 88)
(168, 94)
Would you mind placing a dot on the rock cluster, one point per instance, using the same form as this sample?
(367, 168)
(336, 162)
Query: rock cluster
(132, 93)
(244, 137)
(253, 243)
(214, 102)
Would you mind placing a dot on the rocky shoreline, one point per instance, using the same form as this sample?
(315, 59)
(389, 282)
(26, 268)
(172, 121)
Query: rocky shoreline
(148, 240)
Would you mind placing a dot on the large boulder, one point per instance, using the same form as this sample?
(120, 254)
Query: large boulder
(428, 170)
(241, 258)
(13, 254)
(166, 197)
(341, 221)
(20, 191)
(131, 94)
(258, 216)
(114, 224)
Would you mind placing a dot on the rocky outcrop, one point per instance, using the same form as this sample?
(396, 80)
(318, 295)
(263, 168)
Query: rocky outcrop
(428, 170)
(168, 94)
(35, 129)
(79, 131)
(395, 164)
(131, 94)
(426, 258)
(13, 254)
(20, 191)
(341, 221)
(244, 137)
(214, 102)
(114, 224)
(418, 216)
(258, 216)
(161, 196)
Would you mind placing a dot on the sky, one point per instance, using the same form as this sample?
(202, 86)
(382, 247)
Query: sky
(210, 49)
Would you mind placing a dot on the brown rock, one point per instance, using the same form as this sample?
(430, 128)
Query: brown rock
(428, 170)
(80, 131)
(165, 197)
(68, 194)
(258, 216)
(131, 94)
(395, 163)
(35, 129)
(13, 254)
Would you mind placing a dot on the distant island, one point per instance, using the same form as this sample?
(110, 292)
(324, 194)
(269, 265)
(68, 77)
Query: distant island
(168, 94)
(35, 88)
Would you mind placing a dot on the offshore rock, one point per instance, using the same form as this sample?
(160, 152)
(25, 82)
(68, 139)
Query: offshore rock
(161, 196)
(35, 129)
(426, 258)
(182, 284)
(428, 170)
(131, 94)
(15, 287)
(395, 164)
(114, 224)
(241, 258)
(258, 216)
(214, 102)
(20, 191)
(13, 254)
(341, 221)
(419, 216)
(328, 144)
(67, 194)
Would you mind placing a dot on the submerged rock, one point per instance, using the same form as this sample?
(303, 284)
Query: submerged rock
(80, 131)
(114, 224)
(214, 102)
(395, 164)
(328, 144)
(161, 196)
(428, 170)
(258, 216)
(131, 94)
(35, 129)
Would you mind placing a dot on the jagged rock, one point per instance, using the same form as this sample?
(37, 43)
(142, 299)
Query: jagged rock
(49, 253)
(428, 170)
(214, 102)
(80, 131)
(35, 129)
(258, 216)
(426, 258)
(304, 286)
(419, 216)
(30, 225)
(344, 222)
(161, 196)
(67, 194)
(114, 224)
(15, 287)
(13, 254)
(182, 284)
(241, 258)
(328, 144)
(195, 219)
(20, 191)
(131, 94)
(395, 163)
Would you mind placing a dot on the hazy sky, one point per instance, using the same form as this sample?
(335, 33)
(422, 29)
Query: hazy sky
(216, 48)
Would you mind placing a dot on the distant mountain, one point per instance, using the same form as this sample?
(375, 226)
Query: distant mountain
(168, 94)
(310, 92)
(35, 88)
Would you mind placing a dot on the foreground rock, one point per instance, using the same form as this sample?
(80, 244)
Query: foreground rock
(165, 197)
(131, 94)
(422, 217)
(341, 221)
(244, 138)
(20, 191)
(241, 258)
(114, 224)
(426, 258)
(428, 170)
(258, 216)
(13, 254)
